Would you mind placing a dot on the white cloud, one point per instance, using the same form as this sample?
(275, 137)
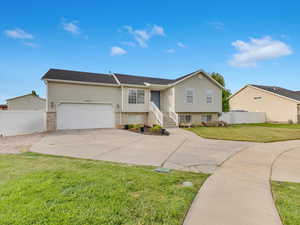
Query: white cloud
(157, 30)
(143, 36)
(249, 53)
(31, 44)
(217, 25)
(71, 27)
(180, 44)
(18, 34)
(170, 50)
(117, 51)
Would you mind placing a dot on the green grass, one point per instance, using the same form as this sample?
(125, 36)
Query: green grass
(287, 200)
(41, 189)
(251, 132)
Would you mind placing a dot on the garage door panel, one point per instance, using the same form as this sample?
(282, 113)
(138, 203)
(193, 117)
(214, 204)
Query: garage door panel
(84, 116)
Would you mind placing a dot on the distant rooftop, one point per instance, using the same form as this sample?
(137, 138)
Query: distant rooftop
(280, 91)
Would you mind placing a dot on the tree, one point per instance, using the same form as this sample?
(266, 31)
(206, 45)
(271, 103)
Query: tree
(225, 93)
(34, 93)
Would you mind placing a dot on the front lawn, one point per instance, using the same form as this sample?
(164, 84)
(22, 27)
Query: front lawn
(40, 189)
(287, 200)
(251, 132)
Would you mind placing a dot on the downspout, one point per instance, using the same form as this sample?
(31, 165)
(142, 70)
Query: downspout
(119, 83)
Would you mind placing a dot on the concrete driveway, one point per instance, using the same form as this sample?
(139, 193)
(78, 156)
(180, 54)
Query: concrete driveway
(181, 150)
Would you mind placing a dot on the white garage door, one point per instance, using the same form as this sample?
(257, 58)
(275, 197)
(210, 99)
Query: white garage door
(84, 116)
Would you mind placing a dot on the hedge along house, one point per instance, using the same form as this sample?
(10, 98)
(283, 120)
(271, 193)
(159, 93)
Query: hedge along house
(280, 104)
(81, 100)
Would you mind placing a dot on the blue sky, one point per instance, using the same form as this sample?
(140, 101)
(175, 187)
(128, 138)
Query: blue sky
(247, 43)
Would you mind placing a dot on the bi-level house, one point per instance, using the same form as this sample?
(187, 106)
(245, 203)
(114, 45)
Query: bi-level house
(81, 100)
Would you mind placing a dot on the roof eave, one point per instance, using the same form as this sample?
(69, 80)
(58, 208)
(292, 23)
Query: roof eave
(80, 82)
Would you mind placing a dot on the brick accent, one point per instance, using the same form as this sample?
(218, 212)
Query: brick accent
(51, 121)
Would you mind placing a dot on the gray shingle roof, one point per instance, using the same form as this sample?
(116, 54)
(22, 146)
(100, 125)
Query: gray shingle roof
(280, 91)
(140, 80)
(70, 75)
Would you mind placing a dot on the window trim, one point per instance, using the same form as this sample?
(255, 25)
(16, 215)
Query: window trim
(206, 118)
(135, 92)
(185, 116)
(209, 94)
(211, 99)
(192, 90)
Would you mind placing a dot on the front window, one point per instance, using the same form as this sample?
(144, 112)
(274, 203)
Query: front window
(185, 118)
(136, 96)
(189, 96)
(206, 118)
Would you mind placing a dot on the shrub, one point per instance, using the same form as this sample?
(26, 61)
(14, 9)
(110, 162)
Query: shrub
(215, 124)
(134, 126)
(211, 124)
(155, 128)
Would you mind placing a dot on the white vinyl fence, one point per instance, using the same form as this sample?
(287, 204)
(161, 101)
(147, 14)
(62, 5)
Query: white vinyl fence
(21, 122)
(243, 117)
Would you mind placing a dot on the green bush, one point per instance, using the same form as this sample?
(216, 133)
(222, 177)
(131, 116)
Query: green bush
(134, 126)
(155, 128)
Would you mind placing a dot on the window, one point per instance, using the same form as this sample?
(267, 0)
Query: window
(206, 118)
(209, 96)
(189, 94)
(209, 99)
(185, 118)
(136, 96)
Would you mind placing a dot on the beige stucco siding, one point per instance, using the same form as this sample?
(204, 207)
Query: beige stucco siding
(135, 107)
(277, 109)
(201, 85)
(28, 102)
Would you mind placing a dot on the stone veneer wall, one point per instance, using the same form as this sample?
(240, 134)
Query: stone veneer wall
(51, 121)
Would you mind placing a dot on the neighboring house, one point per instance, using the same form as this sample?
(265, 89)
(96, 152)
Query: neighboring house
(78, 100)
(279, 104)
(26, 102)
(3, 107)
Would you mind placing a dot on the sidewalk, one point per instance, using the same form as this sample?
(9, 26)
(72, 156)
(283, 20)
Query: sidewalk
(239, 192)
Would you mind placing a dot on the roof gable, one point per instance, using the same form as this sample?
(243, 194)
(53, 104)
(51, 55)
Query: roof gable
(25, 96)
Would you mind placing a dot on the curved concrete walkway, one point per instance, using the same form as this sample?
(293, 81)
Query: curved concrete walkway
(287, 166)
(239, 192)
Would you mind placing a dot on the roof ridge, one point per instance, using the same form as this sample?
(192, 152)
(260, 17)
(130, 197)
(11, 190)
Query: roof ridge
(76, 71)
(143, 76)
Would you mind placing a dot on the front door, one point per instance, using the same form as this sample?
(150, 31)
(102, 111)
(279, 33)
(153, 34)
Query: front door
(155, 97)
